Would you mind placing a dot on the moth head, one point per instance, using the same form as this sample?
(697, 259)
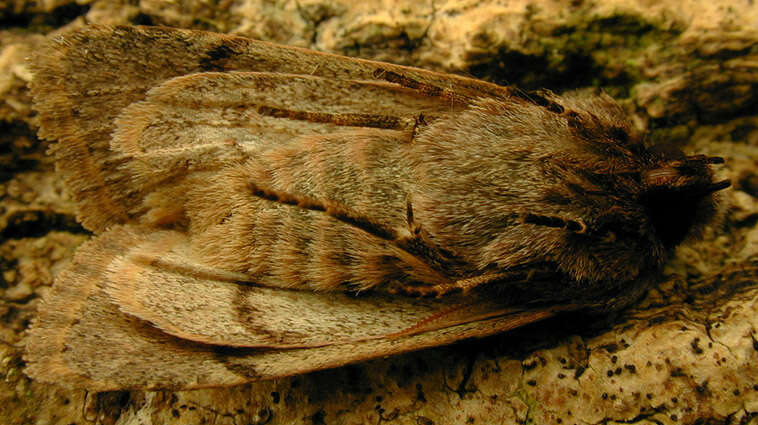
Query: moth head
(633, 219)
(679, 196)
(676, 193)
(562, 181)
(618, 207)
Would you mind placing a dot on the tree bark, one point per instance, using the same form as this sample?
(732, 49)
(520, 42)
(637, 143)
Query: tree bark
(688, 353)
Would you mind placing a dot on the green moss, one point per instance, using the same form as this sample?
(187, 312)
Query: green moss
(533, 408)
(621, 24)
(677, 135)
(606, 51)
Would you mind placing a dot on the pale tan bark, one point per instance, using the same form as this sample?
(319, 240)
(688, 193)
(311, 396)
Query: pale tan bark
(687, 353)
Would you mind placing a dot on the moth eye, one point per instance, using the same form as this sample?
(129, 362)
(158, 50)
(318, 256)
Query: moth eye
(671, 216)
(676, 192)
(609, 237)
(619, 134)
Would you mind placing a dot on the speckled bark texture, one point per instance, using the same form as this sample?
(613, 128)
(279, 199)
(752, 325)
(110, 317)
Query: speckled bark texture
(687, 353)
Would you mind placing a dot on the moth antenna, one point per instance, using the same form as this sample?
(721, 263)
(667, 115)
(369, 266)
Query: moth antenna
(387, 122)
(338, 211)
(695, 160)
(446, 314)
(715, 187)
(460, 286)
(714, 160)
(425, 322)
(425, 89)
(538, 97)
(689, 174)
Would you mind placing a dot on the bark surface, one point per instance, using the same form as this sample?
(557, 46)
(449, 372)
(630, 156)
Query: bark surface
(687, 353)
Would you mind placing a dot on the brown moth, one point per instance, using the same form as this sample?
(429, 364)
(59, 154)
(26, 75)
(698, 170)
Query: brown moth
(264, 210)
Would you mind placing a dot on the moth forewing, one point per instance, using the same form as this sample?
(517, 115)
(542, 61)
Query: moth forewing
(79, 109)
(103, 329)
(267, 210)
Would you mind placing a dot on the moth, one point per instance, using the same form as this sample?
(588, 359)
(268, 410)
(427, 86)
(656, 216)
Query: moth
(263, 211)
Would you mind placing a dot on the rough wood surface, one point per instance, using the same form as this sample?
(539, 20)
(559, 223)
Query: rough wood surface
(685, 354)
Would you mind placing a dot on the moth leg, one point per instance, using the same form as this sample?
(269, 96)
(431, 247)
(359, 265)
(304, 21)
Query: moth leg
(448, 288)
